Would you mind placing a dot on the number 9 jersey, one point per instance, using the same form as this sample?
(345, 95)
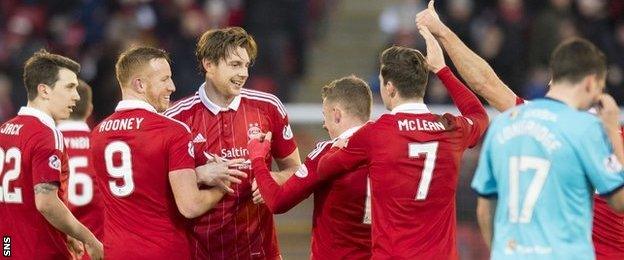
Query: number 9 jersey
(133, 152)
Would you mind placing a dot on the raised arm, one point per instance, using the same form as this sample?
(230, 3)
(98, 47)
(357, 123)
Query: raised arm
(479, 76)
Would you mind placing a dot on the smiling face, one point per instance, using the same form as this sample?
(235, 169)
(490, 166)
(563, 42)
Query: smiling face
(229, 75)
(62, 96)
(159, 84)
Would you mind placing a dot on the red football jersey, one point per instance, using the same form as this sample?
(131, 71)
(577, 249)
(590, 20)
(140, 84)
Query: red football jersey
(413, 158)
(235, 228)
(83, 196)
(341, 220)
(31, 152)
(607, 228)
(133, 151)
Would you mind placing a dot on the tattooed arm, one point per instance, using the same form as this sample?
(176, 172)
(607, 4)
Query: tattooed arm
(56, 213)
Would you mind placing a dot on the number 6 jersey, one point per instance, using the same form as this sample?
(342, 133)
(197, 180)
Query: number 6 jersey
(133, 151)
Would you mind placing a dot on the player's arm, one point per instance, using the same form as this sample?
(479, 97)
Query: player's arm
(479, 76)
(287, 166)
(485, 209)
(191, 201)
(338, 161)
(58, 215)
(609, 114)
(278, 198)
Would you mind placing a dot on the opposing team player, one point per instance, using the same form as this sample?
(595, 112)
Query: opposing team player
(608, 225)
(413, 157)
(341, 218)
(223, 116)
(83, 197)
(542, 170)
(145, 167)
(33, 216)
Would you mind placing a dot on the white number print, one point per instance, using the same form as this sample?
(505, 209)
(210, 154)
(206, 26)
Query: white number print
(430, 150)
(79, 178)
(13, 154)
(516, 166)
(123, 171)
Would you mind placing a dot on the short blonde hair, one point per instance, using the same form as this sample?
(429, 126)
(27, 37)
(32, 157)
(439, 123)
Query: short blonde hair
(352, 94)
(134, 59)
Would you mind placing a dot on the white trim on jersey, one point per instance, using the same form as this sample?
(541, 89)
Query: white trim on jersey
(134, 104)
(319, 148)
(188, 129)
(266, 97)
(214, 108)
(412, 108)
(47, 121)
(182, 105)
(73, 125)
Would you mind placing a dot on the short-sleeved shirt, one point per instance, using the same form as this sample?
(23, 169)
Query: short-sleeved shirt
(83, 197)
(31, 153)
(235, 227)
(413, 157)
(607, 228)
(542, 171)
(133, 153)
(341, 220)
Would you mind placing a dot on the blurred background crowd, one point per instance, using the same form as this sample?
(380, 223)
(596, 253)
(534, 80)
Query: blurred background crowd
(304, 44)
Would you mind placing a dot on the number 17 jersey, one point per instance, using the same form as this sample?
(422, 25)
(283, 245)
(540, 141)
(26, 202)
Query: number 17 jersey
(542, 171)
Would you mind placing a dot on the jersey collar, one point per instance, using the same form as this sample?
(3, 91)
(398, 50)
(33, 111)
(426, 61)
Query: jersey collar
(43, 117)
(73, 125)
(349, 132)
(214, 108)
(412, 108)
(134, 104)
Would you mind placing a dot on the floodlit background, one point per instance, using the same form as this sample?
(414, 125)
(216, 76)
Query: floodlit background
(302, 46)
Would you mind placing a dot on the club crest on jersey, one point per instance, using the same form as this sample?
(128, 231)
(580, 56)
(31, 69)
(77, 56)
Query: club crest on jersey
(287, 133)
(254, 131)
(612, 164)
(302, 172)
(54, 162)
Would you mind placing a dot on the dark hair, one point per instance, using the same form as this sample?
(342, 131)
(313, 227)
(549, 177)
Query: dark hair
(406, 68)
(82, 106)
(215, 45)
(352, 93)
(43, 68)
(134, 59)
(574, 59)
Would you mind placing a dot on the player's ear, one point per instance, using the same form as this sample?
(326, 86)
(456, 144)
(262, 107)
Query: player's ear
(208, 66)
(589, 83)
(43, 90)
(137, 85)
(390, 89)
(337, 114)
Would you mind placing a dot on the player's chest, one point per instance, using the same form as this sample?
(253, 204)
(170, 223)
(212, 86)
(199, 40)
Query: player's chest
(227, 133)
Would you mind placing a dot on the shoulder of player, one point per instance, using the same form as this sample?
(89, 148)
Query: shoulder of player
(183, 106)
(321, 148)
(41, 133)
(263, 100)
(173, 123)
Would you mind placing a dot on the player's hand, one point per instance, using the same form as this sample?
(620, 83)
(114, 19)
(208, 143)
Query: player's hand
(76, 248)
(259, 147)
(429, 18)
(435, 56)
(257, 197)
(609, 112)
(95, 249)
(217, 173)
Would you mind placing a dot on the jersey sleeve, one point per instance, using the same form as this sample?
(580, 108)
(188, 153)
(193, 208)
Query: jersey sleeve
(484, 182)
(342, 160)
(283, 143)
(181, 152)
(47, 159)
(474, 118)
(298, 187)
(602, 167)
